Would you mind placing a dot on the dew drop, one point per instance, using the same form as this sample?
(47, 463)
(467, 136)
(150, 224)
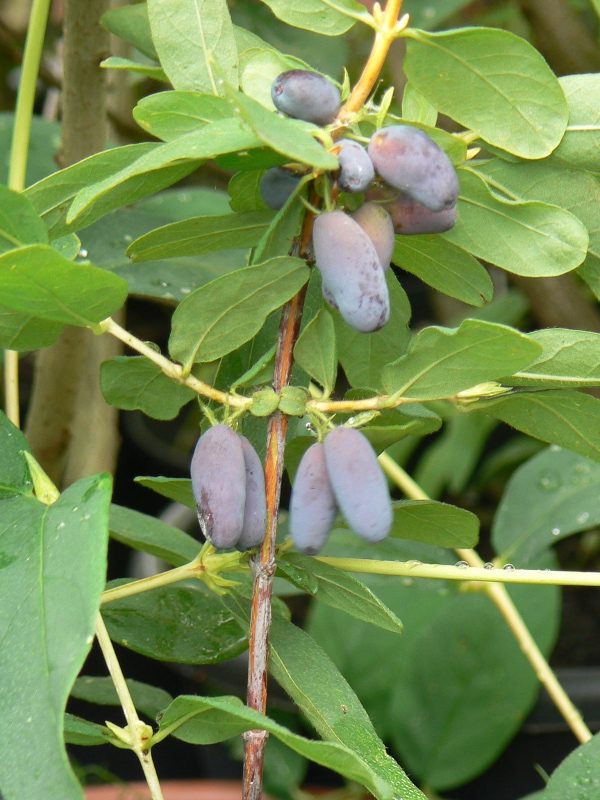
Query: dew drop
(555, 531)
(185, 290)
(86, 517)
(75, 508)
(83, 253)
(461, 564)
(488, 565)
(128, 237)
(549, 481)
(309, 426)
(60, 526)
(351, 420)
(583, 517)
(508, 566)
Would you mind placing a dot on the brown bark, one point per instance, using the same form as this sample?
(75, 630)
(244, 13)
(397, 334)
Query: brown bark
(72, 431)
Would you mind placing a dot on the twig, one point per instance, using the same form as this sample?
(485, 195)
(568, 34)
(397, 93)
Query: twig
(509, 611)
(137, 735)
(172, 370)
(446, 572)
(260, 618)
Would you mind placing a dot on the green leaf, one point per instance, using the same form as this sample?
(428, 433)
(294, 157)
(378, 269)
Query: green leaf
(569, 419)
(147, 699)
(164, 165)
(553, 495)
(43, 147)
(551, 182)
(490, 81)
(134, 382)
(578, 776)
(200, 235)
(445, 267)
(244, 189)
(19, 223)
(313, 682)
(392, 425)
(415, 108)
(569, 358)
(54, 560)
(177, 489)
(225, 313)
(532, 239)
(435, 523)
(152, 71)
(289, 137)
(82, 732)
(283, 230)
(187, 624)
(363, 355)
(443, 361)
(107, 239)
(195, 43)
(14, 472)
(449, 463)
(317, 15)
(315, 350)
(579, 146)
(131, 24)
(51, 196)
(205, 720)
(451, 714)
(433, 14)
(151, 535)
(37, 280)
(168, 115)
(22, 332)
(338, 589)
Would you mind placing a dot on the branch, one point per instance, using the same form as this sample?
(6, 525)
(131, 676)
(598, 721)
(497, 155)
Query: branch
(137, 735)
(509, 611)
(171, 369)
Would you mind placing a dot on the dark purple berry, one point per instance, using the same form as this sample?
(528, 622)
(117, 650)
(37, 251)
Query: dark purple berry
(306, 95)
(358, 483)
(377, 224)
(218, 473)
(356, 168)
(407, 159)
(276, 185)
(312, 504)
(351, 271)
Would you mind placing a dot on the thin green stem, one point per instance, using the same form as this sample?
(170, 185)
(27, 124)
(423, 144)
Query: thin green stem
(503, 602)
(175, 575)
(416, 569)
(138, 734)
(171, 369)
(17, 166)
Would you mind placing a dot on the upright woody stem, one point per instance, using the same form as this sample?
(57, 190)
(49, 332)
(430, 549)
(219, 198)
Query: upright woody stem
(260, 619)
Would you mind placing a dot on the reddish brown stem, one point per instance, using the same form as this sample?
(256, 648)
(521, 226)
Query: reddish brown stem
(264, 566)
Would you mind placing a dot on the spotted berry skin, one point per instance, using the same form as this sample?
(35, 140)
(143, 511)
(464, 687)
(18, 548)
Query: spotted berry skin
(306, 95)
(352, 273)
(312, 504)
(218, 473)
(358, 483)
(409, 160)
(356, 168)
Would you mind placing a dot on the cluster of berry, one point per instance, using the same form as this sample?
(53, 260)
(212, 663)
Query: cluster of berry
(229, 488)
(341, 473)
(410, 187)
